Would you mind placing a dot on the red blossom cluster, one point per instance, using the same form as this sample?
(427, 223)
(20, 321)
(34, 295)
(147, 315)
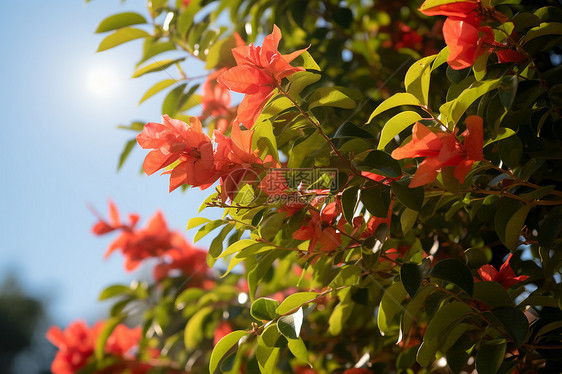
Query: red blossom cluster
(259, 71)
(443, 149)
(191, 156)
(154, 241)
(467, 35)
(77, 343)
(506, 275)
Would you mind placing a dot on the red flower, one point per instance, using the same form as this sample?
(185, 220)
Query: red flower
(466, 40)
(466, 37)
(190, 261)
(155, 240)
(443, 149)
(506, 275)
(76, 344)
(318, 230)
(174, 140)
(215, 99)
(223, 329)
(358, 371)
(259, 71)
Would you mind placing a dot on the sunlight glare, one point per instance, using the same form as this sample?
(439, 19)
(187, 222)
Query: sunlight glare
(103, 81)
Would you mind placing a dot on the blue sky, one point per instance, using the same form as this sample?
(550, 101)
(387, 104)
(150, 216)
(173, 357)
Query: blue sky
(59, 149)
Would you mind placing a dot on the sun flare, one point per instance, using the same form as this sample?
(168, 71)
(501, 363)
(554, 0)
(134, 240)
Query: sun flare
(103, 81)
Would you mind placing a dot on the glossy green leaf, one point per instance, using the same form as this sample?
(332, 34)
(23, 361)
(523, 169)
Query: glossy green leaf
(349, 201)
(296, 300)
(501, 133)
(545, 28)
(263, 309)
(126, 151)
(469, 96)
(390, 306)
(411, 197)
(411, 276)
(195, 327)
(115, 290)
(105, 333)
(508, 221)
(120, 20)
(454, 271)
(396, 125)
(298, 349)
(490, 356)
(514, 321)
(331, 96)
(157, 88)
(269, 346)
(396, 100)
(381, 163)
(377, 200)
(418, 77)
(492, 293)
(349, 275)
(155, 66)
(290, 325)
(121, 36)
(408, 220)
(226, 346)
(446, 317)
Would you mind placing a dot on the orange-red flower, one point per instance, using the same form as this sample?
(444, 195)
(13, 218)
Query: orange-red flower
(319, 230)
(259, 71)
(442, 149)
(358, 371)
(77, 342)
(175, 141)
(465, 35)
(506, 275)
(216, 101)
(154, 241)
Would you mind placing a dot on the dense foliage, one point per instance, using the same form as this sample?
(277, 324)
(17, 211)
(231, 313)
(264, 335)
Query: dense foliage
(390, 182)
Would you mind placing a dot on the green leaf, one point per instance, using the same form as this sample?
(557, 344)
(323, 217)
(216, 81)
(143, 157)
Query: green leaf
(120, 20)
(377, 200)
(411, 276)
(290, 325)
(508, 221)
(446, 317)
(426, 352)
(126, 151)
(224, 348)
(196, 221)
(331, 96)
(205, 230)
(490, 356)
(545, 28)
(187, 296)
(156, 66)
(108, 328)
(157, 88)
(115, 290)
(348, 202)
(186, 18)
(295, 301)
(390, 306)
(408, 219)
(349, 275)
(394, 101)
(263, 309)
(153, 47)
(269, 346)
(411, 197)
(121, 36)
(418, 77)
(413, 307)
(238, 247)
(508, 90)
(170, 104)
(501, 133)
(300, 80)
(396, 125)
(468, 96)
(492, 293)
(380, 162)
(428, 4)
(341, 312)
(195, 328)
(514, 321)
(298, 349)
(264, 139)
(454, 271)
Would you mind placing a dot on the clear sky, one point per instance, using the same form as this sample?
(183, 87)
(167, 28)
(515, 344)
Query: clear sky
(59, 149)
